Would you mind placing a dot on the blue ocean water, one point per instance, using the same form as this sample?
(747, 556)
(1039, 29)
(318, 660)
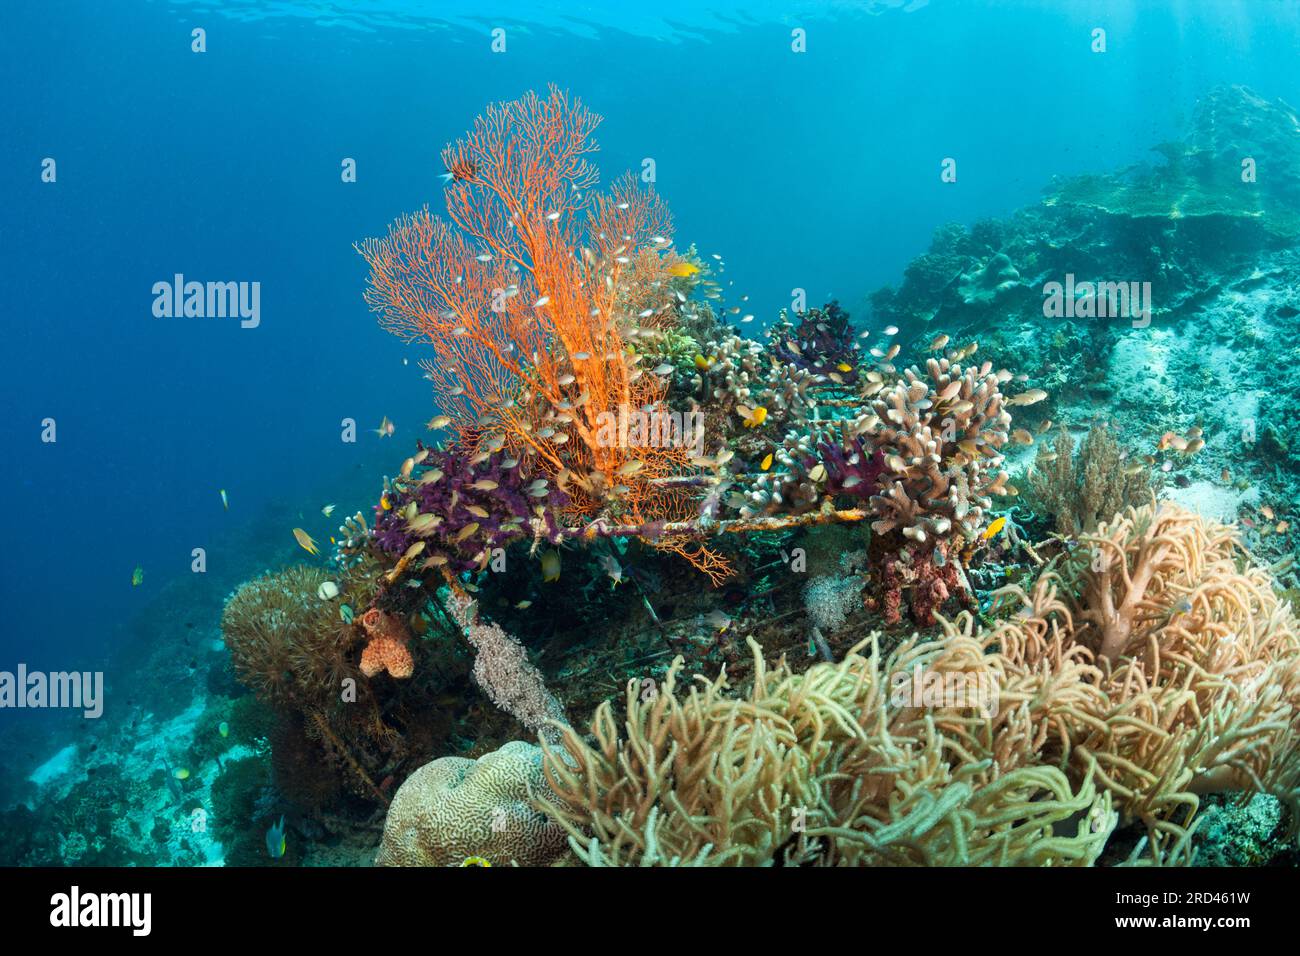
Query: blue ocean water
(816, 170)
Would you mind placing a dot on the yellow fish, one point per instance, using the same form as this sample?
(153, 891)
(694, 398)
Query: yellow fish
(703, 364)
(551, 566)
(180, 773)
(992, 530)
(385, 503)
(683, 270)
(756, 417)
(845, 367)
(137, 577)
(304, 539)
(766, 463)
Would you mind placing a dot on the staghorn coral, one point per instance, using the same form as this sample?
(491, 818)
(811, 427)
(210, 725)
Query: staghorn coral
(1081, 490)
(455, 808)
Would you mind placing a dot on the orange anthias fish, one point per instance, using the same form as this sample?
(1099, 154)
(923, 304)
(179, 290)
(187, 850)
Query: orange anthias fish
(305, 540)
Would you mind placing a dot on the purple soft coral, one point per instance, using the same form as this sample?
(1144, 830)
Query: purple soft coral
(822, 342)
(472, 507)
(852, 468)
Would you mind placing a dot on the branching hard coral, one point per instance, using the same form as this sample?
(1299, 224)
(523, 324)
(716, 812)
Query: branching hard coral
(741, 374)
(1081, 490)
(942, 433)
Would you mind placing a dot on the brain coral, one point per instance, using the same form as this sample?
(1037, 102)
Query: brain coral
(455, 808)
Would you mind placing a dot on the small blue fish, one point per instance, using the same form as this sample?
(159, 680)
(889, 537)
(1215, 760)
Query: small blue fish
(275, 840)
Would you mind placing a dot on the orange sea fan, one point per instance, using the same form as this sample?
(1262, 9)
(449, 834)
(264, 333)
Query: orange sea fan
(523, 298)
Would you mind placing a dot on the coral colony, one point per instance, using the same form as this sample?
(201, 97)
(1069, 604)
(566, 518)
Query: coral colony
(650, 591)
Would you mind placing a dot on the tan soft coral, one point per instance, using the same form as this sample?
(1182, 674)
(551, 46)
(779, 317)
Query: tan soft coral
(1153, 666)
(387, 649)
(818, 768)
(1200, 661)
